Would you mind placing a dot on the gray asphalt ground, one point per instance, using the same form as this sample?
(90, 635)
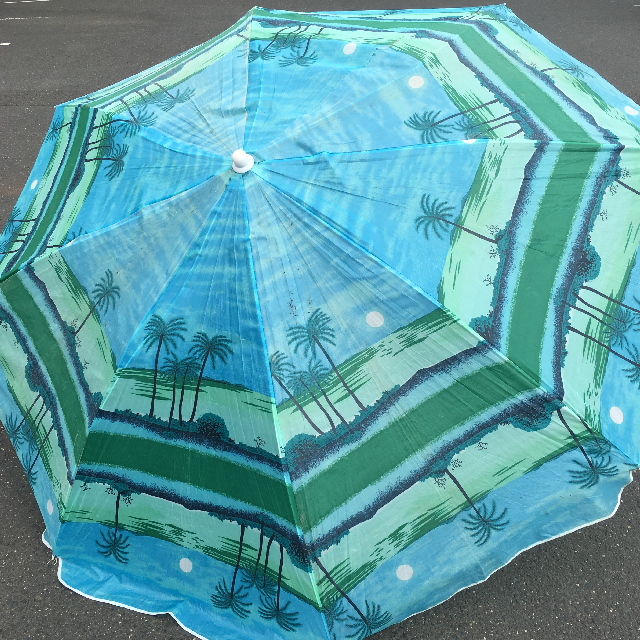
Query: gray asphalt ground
(584, 586)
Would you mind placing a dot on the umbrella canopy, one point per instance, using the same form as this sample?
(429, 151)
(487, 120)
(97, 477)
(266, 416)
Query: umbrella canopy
(317, 323)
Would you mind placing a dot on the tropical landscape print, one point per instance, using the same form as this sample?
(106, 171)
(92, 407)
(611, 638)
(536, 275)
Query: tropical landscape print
(315, 398)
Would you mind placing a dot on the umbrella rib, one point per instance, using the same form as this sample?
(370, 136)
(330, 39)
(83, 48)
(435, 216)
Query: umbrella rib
(354, 152)
(265, 350)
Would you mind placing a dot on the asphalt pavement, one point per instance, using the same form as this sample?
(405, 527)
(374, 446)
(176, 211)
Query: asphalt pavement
(585, 585)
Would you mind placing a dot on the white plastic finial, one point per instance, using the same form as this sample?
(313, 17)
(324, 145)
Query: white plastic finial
(242, 161)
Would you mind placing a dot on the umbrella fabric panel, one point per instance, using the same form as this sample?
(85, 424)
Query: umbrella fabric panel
(326, 394)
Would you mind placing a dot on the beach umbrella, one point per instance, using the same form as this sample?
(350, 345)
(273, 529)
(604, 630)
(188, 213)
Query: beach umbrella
(309, 327)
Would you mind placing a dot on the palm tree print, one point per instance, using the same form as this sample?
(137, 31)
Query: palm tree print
(591, 306)
(435, 218)
(365, 624)
(15, 219)
(166, 101)
(633, 373)
(569, 67)
(266, 53)
(300, 59)
(267, 587)
(104, 294)
(161, 332)
(610, 299)
(225, 598)
(5, 246)
(311, 335)
(262, 53)
(270, 608)
(587, 476)
(482, 522)
(280, 369)
(115, 544)
(615, 332)
(31, 473)
(105, 144)
(54, 129)
(116, 156)
(31, 436)
(13, 234)
(43, 441)
(432, 128)
(204, 349)
(14, 430)
(189, 368)
(172, 369)
(297, 384)
(317, 372)
(334, 611)
(250, 578)
(290, 40)
(472, 131)
(132, 126)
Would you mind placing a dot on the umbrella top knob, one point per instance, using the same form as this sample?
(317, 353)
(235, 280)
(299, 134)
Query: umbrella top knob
(242, 161)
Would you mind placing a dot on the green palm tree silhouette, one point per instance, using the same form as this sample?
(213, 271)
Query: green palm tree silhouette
(300, 59)
(317, 372)
(297, 382)
(15, 219)
(615, 332)
(104, 144)
(161, 332)
(266, 53)
(104, 293)
(137, 120)
(588, 475)
(431, 126)
(46, 437)
(189, 367)
(205, 349)
(166, 101)
(365, 624)
(116, 156)
(270, 608)
(280, 368)
(634, 360)
(225, 598)
(13, 429)
(113, 543)
(481, 523)
(172, 369)
(311, 335)
(435, 217)
(569, 67)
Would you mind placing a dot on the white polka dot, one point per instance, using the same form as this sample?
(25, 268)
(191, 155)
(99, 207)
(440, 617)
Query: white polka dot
(186, 565)
(616, 415)
(375, 319)
(470, 141)
(631, 111)
(49, 507)
(415, 82)
(349, 48)
(34, 184)
(404, 572)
